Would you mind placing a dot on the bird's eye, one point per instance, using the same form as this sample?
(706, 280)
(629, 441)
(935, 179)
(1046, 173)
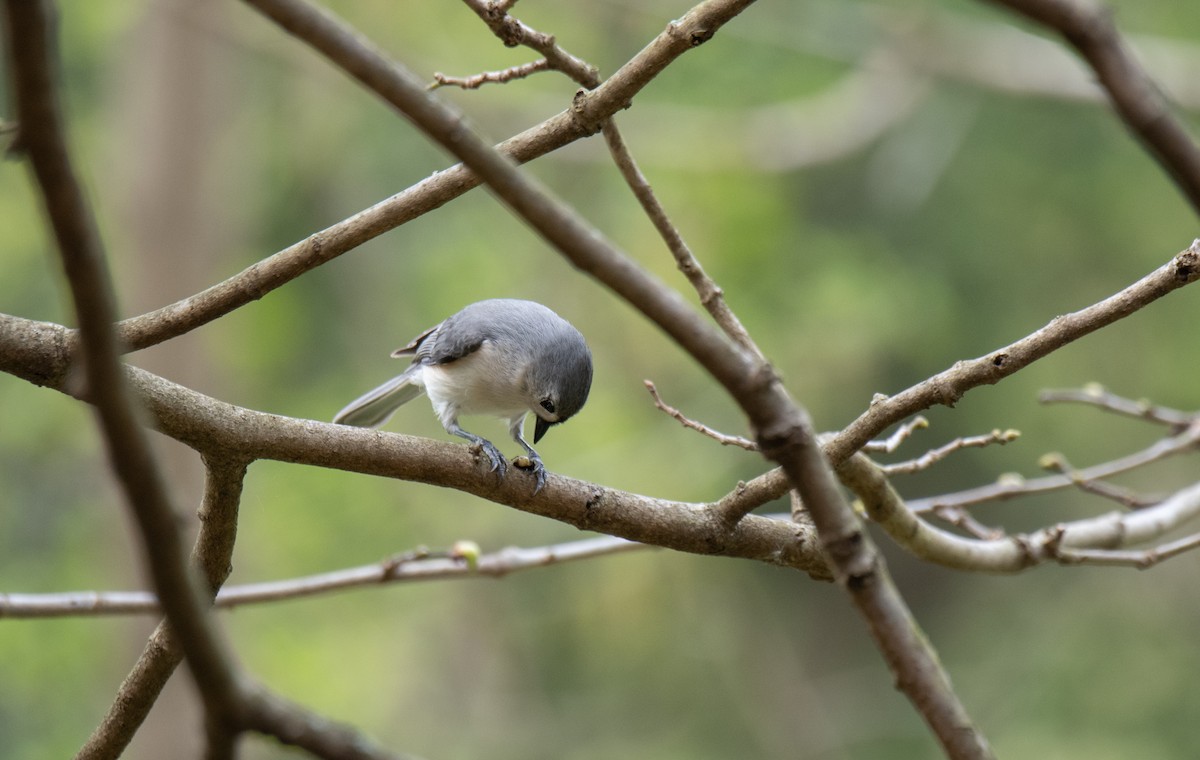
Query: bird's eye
(548, 405)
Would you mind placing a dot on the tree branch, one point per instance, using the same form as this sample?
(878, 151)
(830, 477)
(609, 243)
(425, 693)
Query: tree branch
(420, 565)
(209, 425)
(948, 386)
(211, 554)
(31, 32)
(1011, 554)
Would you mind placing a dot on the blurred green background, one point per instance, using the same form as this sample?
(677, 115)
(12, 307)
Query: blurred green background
(873, 209)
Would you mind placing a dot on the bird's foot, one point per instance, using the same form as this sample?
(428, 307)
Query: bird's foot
(533, 463)
(497, 460)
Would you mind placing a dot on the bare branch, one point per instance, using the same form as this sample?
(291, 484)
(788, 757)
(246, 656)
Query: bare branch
(948, 387)
(712, 297)
(1011, 553)
(932, 457)
(209, 425)
(1088, 27)
(721, 438)
(1056, 462)
(212, 554)
(1139, 559)
(1009, 487)
(513, 33)
(902, 434)
(419, 565)
(1096, 394)
(497, 77)
(30, 26)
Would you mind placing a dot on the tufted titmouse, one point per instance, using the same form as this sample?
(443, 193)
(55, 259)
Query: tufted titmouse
(500, 357)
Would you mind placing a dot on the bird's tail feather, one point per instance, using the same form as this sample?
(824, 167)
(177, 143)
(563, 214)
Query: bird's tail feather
(374, 407)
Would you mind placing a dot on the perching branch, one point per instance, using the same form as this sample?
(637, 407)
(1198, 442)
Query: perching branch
(209, 425)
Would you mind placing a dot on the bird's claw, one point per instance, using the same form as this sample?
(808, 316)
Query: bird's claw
(497, 460)
(534, 464)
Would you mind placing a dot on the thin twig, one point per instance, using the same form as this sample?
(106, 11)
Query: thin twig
(712, 297)
(496, 77)
(1095, 394)
(721, 438)
(1139, 559)
(513, 32)
(1009, 486)
(416, 566)
(1057, 462)
(933, 456)
(902, 434)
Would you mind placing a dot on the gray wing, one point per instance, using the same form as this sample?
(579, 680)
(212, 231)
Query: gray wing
(458, 336)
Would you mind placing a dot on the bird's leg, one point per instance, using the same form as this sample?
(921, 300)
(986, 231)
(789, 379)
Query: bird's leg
(539, 470)
(499, 465)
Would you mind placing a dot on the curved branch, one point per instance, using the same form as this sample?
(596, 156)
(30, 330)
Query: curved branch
(1011, 554)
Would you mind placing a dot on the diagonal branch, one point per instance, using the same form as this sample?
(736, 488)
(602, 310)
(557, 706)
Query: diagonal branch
(212, 554)
(31, 31)
(948, 386)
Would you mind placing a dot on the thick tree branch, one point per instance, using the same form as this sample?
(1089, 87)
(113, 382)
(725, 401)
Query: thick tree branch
(209, 425)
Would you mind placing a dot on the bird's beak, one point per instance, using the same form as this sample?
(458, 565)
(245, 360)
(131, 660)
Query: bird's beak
(540, 428)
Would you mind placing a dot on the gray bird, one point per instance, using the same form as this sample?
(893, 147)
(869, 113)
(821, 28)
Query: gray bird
(501, 357)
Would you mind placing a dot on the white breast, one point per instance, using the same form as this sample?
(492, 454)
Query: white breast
(480, 383)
